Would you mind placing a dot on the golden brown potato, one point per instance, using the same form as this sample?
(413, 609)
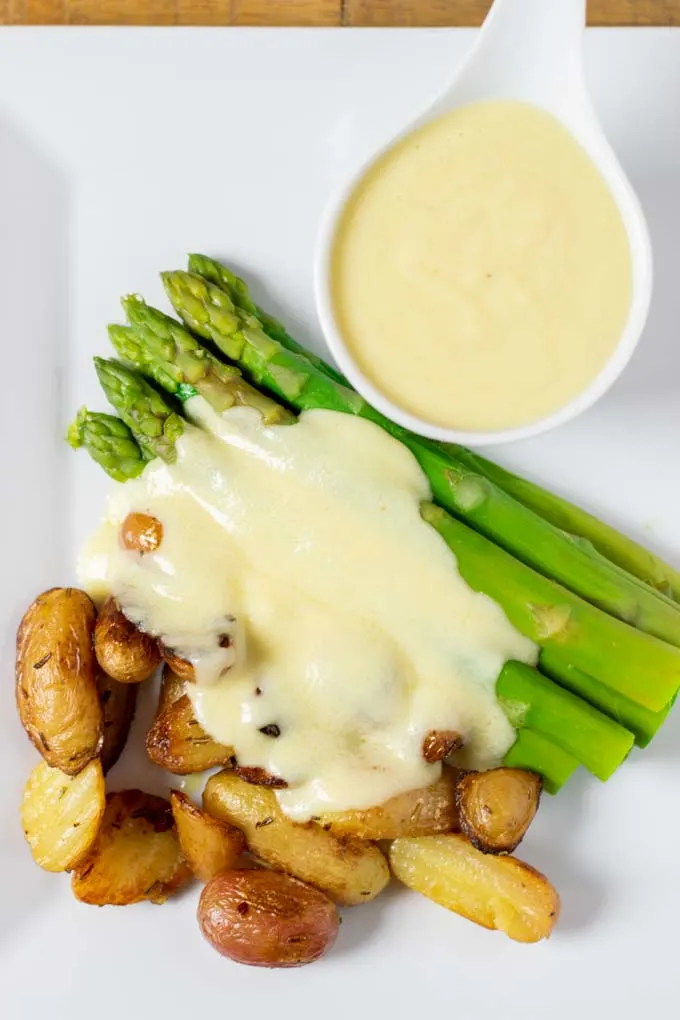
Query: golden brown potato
(439, 744)
(348, 870)
(260, 777)
(497, 807)
(61, 814)
(209, 845)
(177, 741)
(183, 669)
(136, 856)
(423, 812)
(172, 689)
(496, 892)
(122, 650)
(56, 691)
(118, 703)
(141, 533)
(267, 919)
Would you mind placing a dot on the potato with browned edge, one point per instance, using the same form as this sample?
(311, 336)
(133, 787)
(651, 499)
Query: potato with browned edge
(123, 651)
(176, 741)
(56, 692)
(136, 855)
(500, 893)
(267, 919)
(209, 845)
(181, 667)
(348, 870)
(140, 532)
(497, 807)
(61, 814)
(423, 812)
(118, 702)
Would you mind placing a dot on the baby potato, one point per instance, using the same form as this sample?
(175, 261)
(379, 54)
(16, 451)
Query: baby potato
(178, 743)
(266, 919)
(497, 807)
(56, 693)
(61, 814)
(118, 702)
(136, 856)
(439, 744)
(142, 533)
(501, 893)
(348, 870)
(181, 667)
(123, 651)
(424, 812)
(209, 845)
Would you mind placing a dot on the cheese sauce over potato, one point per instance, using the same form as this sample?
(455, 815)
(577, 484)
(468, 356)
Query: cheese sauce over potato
(327, 623)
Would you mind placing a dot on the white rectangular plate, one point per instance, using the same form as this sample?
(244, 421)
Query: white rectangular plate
(120, 151)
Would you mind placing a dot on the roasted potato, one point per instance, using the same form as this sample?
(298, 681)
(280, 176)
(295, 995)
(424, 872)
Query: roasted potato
(424, 812)
(123, 651)
(61, 814)
(177, 741)
(348, 870)
(118, 703)
(260, 777)
(172, 689)
(183, 669)
(136, 855)
(56, 691)
(208, 844)
(497, 807)
(141, 533)
(496, 892)
(266, 919)
(439, 744)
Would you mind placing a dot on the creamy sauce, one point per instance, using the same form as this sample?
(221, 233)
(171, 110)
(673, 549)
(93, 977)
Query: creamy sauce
(353, 632)
(481, 271)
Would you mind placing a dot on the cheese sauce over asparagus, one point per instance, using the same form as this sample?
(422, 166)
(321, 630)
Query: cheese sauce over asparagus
(328, 625)
(481, 269)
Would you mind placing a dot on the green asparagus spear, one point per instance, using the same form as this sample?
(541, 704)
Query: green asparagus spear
(153, 423)
(537, 754)
(530, 699)
(109, 442)
(209, 311)
(635, 664)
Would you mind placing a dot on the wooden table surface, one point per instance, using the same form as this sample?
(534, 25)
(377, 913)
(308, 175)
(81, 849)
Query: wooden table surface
(304, 12)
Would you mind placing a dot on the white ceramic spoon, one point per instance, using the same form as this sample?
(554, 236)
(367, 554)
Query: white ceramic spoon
(532, 51)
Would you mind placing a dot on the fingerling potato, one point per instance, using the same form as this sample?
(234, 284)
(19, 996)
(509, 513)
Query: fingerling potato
(140, 532)
(500, 893)
(123, 651)
(178, 743)
(497, 807)
(56, 692)
(208, 844)
(348, 870)
(118, 703)
(439, 744)
(136, 855)
(61, 814)
(424, 812)
(181, 667)
(267, 919)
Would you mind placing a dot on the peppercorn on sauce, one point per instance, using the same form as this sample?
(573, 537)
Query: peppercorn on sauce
(328, 625)
(481, 272)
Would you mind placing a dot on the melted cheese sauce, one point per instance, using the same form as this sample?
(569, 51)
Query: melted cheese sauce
(352, 632)
(481, 271)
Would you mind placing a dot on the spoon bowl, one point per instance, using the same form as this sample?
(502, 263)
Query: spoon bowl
(528, 51)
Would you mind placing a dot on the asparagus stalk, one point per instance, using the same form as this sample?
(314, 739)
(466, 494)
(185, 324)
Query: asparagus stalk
(109, 442)
(537, 754)
(153, 423)
(210, 312)
(642, 722)
(530, 700)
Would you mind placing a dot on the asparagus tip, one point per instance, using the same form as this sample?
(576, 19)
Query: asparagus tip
(74, 434)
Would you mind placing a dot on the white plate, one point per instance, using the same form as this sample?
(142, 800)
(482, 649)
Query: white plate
(119, 152)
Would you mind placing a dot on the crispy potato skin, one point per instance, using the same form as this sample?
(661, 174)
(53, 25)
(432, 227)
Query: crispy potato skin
(499, 893)
(439, 744)
(136, 856)
(497, 807)
(423, 812)
(181, 667)
(208, 844)
(260, 777)
(347, 870)
(266, 919)
(56, 692)
(61, 814)
(172, 688)
(141, 533)
(122, 650)
(178, 743)
(118, 703)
